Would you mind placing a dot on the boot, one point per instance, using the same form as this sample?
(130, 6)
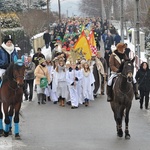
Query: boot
(135, 88)
(109, 93)
(38, 96)
(43, 98)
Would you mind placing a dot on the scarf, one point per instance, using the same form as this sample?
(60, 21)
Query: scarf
(9, 50)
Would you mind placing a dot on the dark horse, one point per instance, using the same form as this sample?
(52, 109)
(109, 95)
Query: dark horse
(11, 93)
(122, 96)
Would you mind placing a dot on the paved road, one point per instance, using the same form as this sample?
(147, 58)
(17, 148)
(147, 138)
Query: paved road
(51, 127)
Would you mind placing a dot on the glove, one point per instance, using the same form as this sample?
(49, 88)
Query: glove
(72, 83)
(76, 79)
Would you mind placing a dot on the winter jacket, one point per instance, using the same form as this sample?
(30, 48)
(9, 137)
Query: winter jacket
(29, 71)
(143, 79)
(115, 60)
(41, 72)
(6, 58)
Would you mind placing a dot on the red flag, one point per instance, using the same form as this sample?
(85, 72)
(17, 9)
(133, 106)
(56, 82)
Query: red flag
(92, 43)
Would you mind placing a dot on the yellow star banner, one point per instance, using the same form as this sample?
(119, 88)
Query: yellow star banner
(83, 44)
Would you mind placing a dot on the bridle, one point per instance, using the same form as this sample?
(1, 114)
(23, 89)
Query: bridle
(16, 77)
(128, 74)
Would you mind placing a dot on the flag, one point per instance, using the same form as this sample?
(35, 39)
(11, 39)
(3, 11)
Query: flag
(83, 44)
(92, 43)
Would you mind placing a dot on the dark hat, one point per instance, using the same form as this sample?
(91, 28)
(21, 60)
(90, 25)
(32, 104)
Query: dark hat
(7, 38)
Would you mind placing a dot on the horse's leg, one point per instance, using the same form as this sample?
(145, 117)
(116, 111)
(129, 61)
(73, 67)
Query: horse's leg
(119, 122)
(127, 135)
(1, 120)
(16, 120)
(6, 120)
(115, 115)
(11, 112)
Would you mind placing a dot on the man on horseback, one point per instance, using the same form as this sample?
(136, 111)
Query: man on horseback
(7, 53)
(116, 58)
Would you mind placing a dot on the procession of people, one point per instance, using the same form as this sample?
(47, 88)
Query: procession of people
(76, 76)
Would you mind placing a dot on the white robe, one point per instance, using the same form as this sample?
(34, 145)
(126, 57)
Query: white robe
(59, 85)
(74, 90)
(87, 86)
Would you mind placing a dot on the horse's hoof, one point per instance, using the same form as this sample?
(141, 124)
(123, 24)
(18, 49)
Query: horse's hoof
(17, 136)
(120, 133)
(127, 136)
(6, 134)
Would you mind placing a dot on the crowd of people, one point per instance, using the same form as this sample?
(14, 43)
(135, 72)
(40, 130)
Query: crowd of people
(70, 78)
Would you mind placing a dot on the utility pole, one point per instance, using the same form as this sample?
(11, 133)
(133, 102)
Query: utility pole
(137, 29)
(122, 21)
(59, 11)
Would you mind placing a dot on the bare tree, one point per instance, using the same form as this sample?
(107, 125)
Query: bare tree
(108, 8)
(34, 21)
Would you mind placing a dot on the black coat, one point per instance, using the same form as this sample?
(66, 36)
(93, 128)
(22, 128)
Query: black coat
(47, 38)
(143, 79)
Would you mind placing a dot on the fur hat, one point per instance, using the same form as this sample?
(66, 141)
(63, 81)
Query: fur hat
(41, 60)
(120, 46)
(7, 38)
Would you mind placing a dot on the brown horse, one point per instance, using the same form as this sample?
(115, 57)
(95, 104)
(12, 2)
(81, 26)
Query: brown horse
(11, 93)
(122, 96)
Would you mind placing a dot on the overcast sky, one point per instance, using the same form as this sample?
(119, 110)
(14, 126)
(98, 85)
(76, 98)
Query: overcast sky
(70, 5)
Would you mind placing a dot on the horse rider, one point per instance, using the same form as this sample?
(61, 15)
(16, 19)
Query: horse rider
(7, 53)
(116, 58)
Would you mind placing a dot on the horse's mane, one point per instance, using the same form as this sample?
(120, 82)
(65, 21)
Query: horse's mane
(122, 64)
(9, 71)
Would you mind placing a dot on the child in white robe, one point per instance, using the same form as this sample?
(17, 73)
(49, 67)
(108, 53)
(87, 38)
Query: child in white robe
(87, 83)
(62, 90)
(73, 76)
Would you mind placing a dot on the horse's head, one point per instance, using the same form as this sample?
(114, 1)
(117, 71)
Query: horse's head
(18, 72)
(128, 69)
